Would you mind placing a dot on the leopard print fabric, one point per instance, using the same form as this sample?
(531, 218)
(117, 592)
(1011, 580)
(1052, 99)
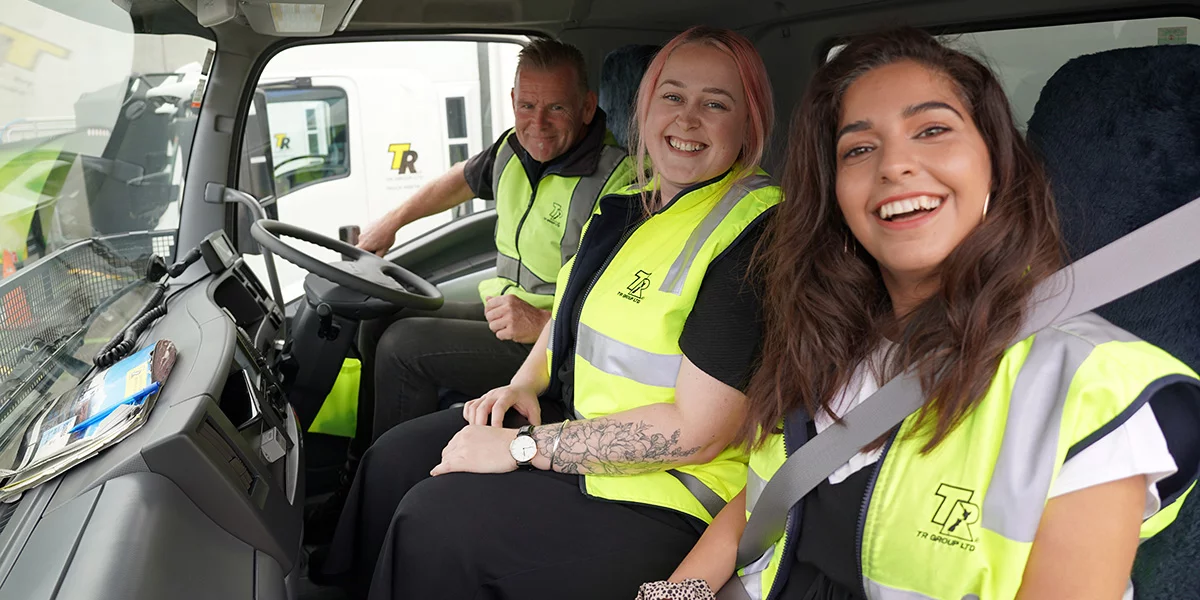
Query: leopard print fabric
(688, 589)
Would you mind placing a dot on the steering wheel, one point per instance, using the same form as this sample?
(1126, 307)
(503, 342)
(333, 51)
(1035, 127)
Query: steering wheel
(365, 273)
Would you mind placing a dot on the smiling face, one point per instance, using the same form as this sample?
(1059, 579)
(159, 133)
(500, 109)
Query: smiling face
(913, 172)
(697, 118)
(552, 113)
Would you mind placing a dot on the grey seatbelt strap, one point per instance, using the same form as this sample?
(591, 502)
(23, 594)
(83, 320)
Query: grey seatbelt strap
(1124, 266)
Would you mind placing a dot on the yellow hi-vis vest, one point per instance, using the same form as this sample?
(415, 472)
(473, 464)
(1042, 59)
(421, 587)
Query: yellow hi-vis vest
(538, 226)
(959, 522)
(627, 340)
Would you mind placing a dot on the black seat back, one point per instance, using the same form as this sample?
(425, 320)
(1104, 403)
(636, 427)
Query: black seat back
(1120, 135)
(620, 76)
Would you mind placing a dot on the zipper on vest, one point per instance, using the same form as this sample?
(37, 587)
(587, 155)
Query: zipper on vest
(611, 255)
(784, 564)
(862, 513)
(583, 298)
(596, 276)
(520, 226)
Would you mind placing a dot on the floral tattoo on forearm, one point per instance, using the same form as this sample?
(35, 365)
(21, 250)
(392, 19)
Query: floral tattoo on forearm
(610, 447)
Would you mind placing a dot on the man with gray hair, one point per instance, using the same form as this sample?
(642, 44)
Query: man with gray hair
(545, 176)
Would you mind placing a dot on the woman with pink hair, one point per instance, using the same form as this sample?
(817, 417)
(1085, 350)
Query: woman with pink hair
(632, 394)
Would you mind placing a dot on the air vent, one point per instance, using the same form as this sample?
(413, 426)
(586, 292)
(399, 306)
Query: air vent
(223, 453)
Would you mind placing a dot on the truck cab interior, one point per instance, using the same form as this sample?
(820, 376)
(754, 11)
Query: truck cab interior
(206, 498)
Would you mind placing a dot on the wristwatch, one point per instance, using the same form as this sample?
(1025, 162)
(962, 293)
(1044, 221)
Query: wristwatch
(523, 447)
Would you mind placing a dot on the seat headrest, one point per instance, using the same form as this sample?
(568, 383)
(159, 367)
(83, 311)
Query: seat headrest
(620, 76)
(1119, 132)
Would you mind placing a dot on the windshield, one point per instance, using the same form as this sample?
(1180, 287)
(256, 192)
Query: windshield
(96, 122)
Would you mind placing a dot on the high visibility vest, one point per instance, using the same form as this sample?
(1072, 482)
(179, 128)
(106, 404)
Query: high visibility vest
(959, 521)
(627, 340)
(538, 225)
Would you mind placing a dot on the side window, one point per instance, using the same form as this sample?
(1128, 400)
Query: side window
(1025, 59)
(459, 148)
(309, 135)
(340, 133)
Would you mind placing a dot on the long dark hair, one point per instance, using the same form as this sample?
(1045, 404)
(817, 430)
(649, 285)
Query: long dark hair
(826, 307)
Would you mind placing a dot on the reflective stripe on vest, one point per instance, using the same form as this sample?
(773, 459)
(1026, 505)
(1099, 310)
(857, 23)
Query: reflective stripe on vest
(537, 232)
(503, 157)
(711, 501)
(959, 521)
(1025, 468)
(625, 360)
(513, 270)
(627, 339)
(583, 199)
(676, 275)
(878, 591)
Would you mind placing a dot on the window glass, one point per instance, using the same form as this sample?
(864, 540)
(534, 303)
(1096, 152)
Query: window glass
(458, 153)
(1024, 59)
(456, 117)
(96, 123)
(340, 133)
(308, 126)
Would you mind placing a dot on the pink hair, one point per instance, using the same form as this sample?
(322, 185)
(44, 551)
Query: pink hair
(755, 83)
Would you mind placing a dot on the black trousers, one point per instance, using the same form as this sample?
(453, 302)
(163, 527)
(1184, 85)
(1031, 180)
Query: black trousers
(406, 358)
(520, 535)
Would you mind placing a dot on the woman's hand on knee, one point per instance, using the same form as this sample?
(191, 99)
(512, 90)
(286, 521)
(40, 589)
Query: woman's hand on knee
(494, 404)
(478, 449)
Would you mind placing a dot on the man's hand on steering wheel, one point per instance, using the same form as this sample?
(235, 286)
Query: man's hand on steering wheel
(511, 318)
(496, 403)
(379, 237)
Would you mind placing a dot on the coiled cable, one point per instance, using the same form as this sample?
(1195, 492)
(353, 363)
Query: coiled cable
(123, 343)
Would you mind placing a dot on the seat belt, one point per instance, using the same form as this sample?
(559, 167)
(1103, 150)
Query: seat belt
(1124, 266)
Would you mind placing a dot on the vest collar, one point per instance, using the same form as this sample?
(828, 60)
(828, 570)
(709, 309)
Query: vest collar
(580, 160)
(719, 182)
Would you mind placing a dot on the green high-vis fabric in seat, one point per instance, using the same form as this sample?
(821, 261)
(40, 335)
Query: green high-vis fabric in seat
(339, 414)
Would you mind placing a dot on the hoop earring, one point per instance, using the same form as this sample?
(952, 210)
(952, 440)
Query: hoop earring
(986, 200)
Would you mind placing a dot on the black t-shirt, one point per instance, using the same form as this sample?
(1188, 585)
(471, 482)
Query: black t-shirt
(826, 554)
(478, 170)
(723, 334)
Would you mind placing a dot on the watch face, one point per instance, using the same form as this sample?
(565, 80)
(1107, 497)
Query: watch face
(523, 449)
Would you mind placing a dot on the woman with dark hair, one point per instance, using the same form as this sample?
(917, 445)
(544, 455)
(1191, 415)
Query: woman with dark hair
(916, 227)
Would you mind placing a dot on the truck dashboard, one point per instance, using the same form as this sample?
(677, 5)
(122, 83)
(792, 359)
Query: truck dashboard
(188, 506)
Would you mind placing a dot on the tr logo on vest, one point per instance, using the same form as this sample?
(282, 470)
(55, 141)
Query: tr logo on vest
(954, 515)
(641, 281)
(555, 216)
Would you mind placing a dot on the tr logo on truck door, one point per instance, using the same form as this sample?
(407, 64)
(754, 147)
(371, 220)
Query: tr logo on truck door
(404, 159)
(23, 50)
